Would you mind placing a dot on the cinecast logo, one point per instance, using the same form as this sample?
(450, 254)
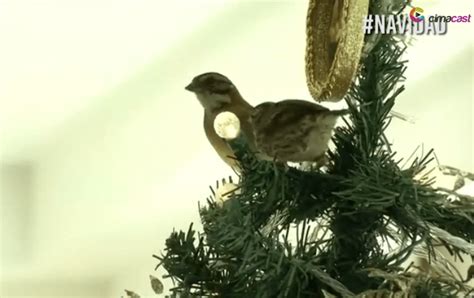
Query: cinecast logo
(414, 22)
(416, 14)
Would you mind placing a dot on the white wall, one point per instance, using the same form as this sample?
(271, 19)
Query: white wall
(442, 105)
(15, 213)
(57, 288)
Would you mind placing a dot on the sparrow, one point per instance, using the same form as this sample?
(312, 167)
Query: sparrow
(218, 94)
(291, 130)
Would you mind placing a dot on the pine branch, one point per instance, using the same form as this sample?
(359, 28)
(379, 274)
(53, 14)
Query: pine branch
(258, 243)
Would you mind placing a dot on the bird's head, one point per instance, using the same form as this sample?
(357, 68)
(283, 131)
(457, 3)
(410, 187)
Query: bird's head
(213, 90)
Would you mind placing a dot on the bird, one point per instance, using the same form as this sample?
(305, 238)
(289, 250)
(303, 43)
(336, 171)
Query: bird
(218, 94)
(290, 130)
(294, 130)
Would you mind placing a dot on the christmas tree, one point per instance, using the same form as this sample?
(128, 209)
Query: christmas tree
(344, 230)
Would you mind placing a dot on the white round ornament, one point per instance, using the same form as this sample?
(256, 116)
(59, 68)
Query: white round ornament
(227, 125)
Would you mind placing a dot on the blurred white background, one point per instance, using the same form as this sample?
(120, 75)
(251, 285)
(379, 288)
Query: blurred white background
(103, 152)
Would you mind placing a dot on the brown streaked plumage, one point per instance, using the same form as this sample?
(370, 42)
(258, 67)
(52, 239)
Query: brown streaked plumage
(293, 130)
(289, 130)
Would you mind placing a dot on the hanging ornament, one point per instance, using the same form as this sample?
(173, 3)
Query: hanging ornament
(227, 125)
(156, 284)
(131, 294)
(334, 41)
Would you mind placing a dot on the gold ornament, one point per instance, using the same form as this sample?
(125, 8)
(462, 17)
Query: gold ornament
(334, 41)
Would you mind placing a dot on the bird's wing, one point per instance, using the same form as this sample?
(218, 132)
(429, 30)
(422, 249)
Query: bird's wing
(281, 114)
(297, 104)
(293, 130)
(294, 105)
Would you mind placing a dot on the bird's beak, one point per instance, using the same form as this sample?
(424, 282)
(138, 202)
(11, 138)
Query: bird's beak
(190, 87)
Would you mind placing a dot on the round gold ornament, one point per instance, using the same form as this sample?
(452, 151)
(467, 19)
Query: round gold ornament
(334, 41)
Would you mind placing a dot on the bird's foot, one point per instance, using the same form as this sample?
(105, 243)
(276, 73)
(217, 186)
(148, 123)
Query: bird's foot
(321, 161)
